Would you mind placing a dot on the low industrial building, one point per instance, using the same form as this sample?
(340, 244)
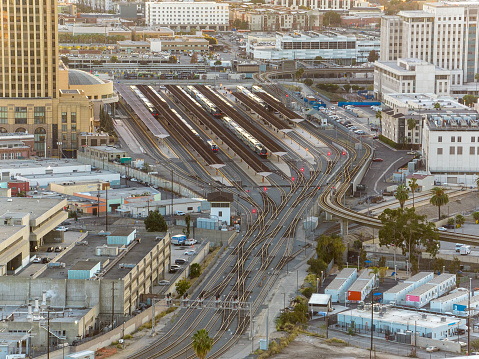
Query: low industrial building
(44, 180)
(461, 307)
(18, 145)
(138, 208)
(444, 283)
(338, 287)
(362, 286)
(220, 206)
(106, 153)
(10, 169)
(71, 188)
(179, 44)
(396, 323)
(446, 303)
(397, 294)
(420, 278)
(319, 303)
(422, 295)
(425, 182)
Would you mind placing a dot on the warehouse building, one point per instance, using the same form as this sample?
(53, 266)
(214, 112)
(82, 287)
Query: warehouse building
(444, 282)
(338, 287)
(420, 278)
(396, 323)
(446, 303)
(422, 295)
(461, 307)
(397, 294)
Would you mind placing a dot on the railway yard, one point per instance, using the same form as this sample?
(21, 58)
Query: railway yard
(278, 166)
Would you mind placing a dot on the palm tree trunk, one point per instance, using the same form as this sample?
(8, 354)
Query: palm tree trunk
(439, 210)
(413, 199)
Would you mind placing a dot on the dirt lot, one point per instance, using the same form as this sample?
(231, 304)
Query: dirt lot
(305, 347)
(456, 205)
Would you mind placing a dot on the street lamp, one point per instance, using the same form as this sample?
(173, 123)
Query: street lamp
(59, 144)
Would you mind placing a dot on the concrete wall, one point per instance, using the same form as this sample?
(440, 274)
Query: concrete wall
(218, 238)
(142, 176)
(449, 346)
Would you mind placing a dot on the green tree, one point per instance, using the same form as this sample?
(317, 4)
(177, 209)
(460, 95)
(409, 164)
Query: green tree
(327, 249)
(460, 220)
(308, 82)
(194, 58)
(73, 214)
(411, 124)
(373, 56)
(195, 270)
(475, 215)
(218, 63)
(413, 186)
(439, 198)
(438, 264)
(172, 59)
(211, 40)
(202, 343)
(114, 59)
(402, 195)
(182, 286)
(318, 58)
(155, 222)
(362, 257)
(379, 116)
(382, 262)
(331, 18)
(455, 266)
(469, 100)
(186, 231)
(375, 271)
(299, 73)
(437, 106)
(475, 342)
(347, 87)
(407, 230)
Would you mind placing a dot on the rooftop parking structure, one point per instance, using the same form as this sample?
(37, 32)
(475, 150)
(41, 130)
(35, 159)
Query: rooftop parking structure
(266, 140)
(255, 163)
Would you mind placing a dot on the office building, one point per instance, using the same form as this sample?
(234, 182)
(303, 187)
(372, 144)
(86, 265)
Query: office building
(410, 76)
(187, 15)
(444, 34)
(326, 5)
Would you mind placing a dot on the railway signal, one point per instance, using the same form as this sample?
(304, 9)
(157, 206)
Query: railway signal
(344, 153)
(292, 179)
(329, 153)
(302, 169)
(265, 189)
(254, 210)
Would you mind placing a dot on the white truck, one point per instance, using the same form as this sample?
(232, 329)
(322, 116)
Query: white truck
(465, 250)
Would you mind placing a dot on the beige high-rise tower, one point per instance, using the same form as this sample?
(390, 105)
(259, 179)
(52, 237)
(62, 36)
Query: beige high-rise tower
(29, 52)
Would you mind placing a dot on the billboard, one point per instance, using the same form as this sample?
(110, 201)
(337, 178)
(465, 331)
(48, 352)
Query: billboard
(412, 298)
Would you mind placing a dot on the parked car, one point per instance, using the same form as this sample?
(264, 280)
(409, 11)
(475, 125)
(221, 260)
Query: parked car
(163, 282)
(190, 253)
(180, 213)
(50, 249)
(359, 132)
(37, 260)
(46, 260)
(458, 247)
(442, 229)
(190, 242)
(58, 249)
(133, 179)
(173, 270)
(181, 261)
(175, 266)
(377, 159)
(62, 229)
(375, 137)
(431, 349)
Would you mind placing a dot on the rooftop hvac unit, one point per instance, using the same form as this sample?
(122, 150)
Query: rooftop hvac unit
(381, 315)
(443, 319)
(423, 316)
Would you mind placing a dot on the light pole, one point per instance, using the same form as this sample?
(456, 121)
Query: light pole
(59, 144)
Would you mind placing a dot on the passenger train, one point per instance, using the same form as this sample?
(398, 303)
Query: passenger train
(207, 104)
(213, 145)
(252, 96)
(246, 137)
(145, 101)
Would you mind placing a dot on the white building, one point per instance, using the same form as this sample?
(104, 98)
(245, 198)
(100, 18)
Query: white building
(399, 322)
(461, 307)
(422, 295)
(398, 293)
(362, 286)
(220, 206)
(343, 5)
(444, 34)
(420, 278)
(410, 76)
(186, 15)
(101, 5)
(329, 45)
(446, 303)
(338, 287)
(444, 283)
(450, 147)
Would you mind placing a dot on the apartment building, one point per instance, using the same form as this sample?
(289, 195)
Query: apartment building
(184, 16)
(443, 33)
(337, 5)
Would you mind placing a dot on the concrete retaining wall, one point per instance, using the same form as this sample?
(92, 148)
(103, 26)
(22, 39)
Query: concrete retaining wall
(449, 346)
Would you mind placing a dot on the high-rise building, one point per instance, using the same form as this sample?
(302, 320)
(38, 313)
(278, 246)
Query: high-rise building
(29, 52)
(443, 33)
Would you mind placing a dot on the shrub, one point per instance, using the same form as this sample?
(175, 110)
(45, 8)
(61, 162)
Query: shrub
(307, 292)
(195, 270)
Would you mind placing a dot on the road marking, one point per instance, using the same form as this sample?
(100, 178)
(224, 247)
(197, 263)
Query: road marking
(382, 174)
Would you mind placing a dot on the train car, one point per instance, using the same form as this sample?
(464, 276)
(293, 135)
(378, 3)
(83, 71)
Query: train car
(145, 101)
(205, 103)
(213, 146)
(246, 137)
(252, 96)
(185, 122)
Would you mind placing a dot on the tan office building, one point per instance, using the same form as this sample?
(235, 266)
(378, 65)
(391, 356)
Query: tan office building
(35, 96)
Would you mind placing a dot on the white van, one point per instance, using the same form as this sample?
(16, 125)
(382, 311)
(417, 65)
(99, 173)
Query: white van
(465, 250)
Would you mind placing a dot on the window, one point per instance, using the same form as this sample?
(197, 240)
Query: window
(473, 139)
(453, 139)
(64, 117)
(20, 115)
(4, 114)
(39, 115)
(439, 139)
(459, 139)
(73, 117)
(472, 150)
(452, 150)
(439, 151)
(459, 150)
(220, 213)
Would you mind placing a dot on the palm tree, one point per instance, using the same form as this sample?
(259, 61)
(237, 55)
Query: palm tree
(202, 343)
(460, 220)
(439, 198)
(413, 186)
(401, 195)
(411, 125)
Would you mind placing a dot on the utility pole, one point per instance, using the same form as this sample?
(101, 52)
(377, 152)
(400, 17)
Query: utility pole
(171, 196)
(469, 318)
(372, 318)
(106, 210)
(112, 303)
(48, 334)
(98, 195)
